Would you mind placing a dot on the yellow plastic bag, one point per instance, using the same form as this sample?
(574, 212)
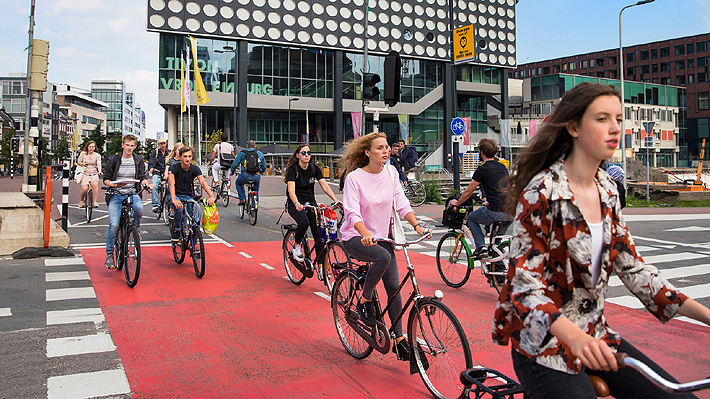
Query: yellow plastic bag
(210, 219)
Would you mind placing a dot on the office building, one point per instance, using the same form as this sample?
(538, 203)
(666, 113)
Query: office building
(121, 110)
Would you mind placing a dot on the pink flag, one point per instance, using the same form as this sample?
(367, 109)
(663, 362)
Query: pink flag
(533, 129)
(466, 137)
(356, 118)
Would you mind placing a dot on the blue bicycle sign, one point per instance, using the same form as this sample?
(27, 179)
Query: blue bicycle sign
(458, 126)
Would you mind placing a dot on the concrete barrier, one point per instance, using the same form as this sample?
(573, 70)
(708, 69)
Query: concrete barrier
(21, 225)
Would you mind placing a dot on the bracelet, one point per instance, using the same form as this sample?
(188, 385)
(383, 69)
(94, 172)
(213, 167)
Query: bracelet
(416, 225)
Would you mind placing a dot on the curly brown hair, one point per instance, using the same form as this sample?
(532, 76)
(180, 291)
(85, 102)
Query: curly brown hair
(553, 140)
(488, 147)
(354, 156)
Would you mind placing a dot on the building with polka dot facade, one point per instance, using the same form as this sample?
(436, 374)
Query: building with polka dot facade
(265, 60)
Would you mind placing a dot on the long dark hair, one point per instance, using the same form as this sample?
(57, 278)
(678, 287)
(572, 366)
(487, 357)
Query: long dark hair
(553, 140)
(294, 159)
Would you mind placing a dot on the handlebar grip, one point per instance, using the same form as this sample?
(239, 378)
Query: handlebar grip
(620, 357)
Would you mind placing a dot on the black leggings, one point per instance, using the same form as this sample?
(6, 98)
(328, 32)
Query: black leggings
(542, 382)
(305, 218)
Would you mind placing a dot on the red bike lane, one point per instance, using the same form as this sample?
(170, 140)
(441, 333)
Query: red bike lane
(244, 330)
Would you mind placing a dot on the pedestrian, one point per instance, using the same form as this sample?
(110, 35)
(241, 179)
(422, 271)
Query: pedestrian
(617, 174)
(568, 237)
(409, 156)
(90, 160)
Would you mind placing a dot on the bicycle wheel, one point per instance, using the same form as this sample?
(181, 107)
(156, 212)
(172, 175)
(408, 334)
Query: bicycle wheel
(89, 207)
(292, 272)
(178, 247)
(242, 209)
(415, 192)
(167, 213)
(132, 269)
(501, 266)
(160, 189)
(336, 262)
(444, 348)
(253, 209)
(198, 252)
(452, 260)
(118, 250)
(346, 293)
(224, 193)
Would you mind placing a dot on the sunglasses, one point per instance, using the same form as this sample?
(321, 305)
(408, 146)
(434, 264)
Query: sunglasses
(304, 153)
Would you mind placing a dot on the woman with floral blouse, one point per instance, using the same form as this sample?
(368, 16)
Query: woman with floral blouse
(568, 236)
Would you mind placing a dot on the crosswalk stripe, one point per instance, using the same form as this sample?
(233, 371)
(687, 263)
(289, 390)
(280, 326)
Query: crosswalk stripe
(64, 261)
(74, 316)
(67, 276)
(689, 320)
(671, 257)
(79, 345)
(693, 291)
(627, 301)
(4, 312)
(60, 294)
(676, 272)
(88, 385)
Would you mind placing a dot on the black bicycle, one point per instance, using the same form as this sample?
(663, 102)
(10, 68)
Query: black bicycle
(163, 203)
(335, 258)
(127, 248)
(222, 192)
(442, 349)
(89, 202)
(414, 191)
(190, 238)
(251, 205)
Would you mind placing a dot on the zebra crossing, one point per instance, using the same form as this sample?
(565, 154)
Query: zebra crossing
(79, 336)
(686, 266)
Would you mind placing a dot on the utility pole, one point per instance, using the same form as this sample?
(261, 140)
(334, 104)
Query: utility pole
(25, 157)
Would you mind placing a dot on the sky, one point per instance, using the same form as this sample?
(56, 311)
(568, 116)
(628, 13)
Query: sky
(107, 39)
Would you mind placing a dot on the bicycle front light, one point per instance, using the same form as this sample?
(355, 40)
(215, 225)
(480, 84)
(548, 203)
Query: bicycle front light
(438, 294)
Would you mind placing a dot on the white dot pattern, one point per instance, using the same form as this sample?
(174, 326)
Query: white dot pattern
(417, 28)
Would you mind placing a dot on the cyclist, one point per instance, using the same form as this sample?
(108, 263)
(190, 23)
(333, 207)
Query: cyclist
(172, 158)
(489, 175)
(301, 176)
(180, 178)
(216, 158)
(156, 168)
(409, 156)
(368, 197)
(126, 165)
(91, 161)
(251, 164)
(569, 236)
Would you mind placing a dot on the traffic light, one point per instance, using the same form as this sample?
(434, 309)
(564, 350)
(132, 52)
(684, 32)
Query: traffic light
(370, 90)
(393, 78)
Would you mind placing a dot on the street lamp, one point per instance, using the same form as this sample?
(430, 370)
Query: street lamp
(230, 49)
(289, 119)
(621, 75)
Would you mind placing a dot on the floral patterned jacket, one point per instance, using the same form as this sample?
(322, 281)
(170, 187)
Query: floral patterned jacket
(550, 271)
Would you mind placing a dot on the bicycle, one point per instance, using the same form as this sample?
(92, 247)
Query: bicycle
(127, 248)
(414, 191)
(335, 258)
(190, 239)
(250, 206)
(455, 268)
(224, 187)
(441, 345)
(163, 203)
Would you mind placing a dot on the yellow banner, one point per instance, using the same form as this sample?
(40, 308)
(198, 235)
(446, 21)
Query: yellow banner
(183, 106)
(200, 91)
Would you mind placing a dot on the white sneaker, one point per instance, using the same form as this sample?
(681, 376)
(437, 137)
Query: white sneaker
(297, 254)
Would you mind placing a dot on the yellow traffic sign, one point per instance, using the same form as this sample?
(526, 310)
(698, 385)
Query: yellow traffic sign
(463, 44)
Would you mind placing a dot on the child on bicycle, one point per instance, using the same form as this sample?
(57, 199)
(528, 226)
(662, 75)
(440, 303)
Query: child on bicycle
(368, 198)
(569, 235)
(301, 176)
(180, 178)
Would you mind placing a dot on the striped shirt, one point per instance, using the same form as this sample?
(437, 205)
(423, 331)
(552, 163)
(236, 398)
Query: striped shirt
(126, 171)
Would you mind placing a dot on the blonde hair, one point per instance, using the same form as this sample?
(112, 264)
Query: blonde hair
(354, 156)
(174, 151)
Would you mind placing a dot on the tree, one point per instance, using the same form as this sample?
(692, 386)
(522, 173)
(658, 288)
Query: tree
(215, 138)
(62, 151)
(98, 137)
(5, 144)
(114, 146)
(148, 148)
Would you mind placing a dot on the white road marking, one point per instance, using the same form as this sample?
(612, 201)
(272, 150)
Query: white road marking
(61, 294)
(93, 219)
(322, 295)
(221, 240)
(67, 276)
(676, 272)
(694, 291)
(4, 312)
(64, 261)
(418, 246)
(88, 385)
(246, 255)
(653, 259)
(692, 245)
(266, 266)
(79, 345)
(690, 228)
(84, 225)
(664, 218)
(430, 253)
(74, 316)
(689, 320)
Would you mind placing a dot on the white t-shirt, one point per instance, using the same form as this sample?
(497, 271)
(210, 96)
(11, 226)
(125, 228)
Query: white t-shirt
(222, 147)
(597, 230)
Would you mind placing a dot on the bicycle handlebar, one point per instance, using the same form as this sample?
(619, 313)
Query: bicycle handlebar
(624, 360)
(426, 235)
(114, 190)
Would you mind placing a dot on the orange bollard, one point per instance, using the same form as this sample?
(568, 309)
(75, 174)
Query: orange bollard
(47, 204)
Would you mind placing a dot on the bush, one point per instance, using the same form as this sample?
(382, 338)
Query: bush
(433, 191)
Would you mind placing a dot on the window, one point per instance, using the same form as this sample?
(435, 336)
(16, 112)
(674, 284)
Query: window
(630, 57)
(627, 113)
(665, 52)
(644, 69)
(665, 66)
(631, 71)
(644, 55)
(522, 74)
(654, 53)
(600, 74)
(670, 116)
(691, 63)
(532, 71)
(691, 48)
(583, 64)
(703, 100)
(564, 66)
(679, 49)
(571, 66)
(654, 68)
(665, 81)
(680, 65)
(515, 74)
(702, 61)
(702, 77)
(702, 46)
(612, 60)
(600, 62)
(546, 70)
(539, 70)
(691, 78)
(662, 115)
(591, 63)
(680, 79)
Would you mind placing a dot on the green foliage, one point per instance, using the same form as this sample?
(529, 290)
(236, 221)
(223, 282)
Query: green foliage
(5, 143)
(98, 137)
(114, 146)
(633, 202)
(433, 191)
(62, 151)
(214, 138)
(150, 146)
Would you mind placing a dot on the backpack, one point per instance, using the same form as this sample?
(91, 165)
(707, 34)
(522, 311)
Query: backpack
(225, 158)
(251, 161)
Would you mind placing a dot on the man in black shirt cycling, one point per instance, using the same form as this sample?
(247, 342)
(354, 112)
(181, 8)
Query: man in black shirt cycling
(180, 178)
(489, 175)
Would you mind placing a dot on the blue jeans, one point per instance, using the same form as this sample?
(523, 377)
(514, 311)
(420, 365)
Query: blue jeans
(154, 200)
(483, 216)
(191, 207)
(243, 178)
(114, 217)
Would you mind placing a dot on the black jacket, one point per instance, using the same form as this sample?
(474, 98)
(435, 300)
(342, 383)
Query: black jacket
(157, 161)
(114, 163)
